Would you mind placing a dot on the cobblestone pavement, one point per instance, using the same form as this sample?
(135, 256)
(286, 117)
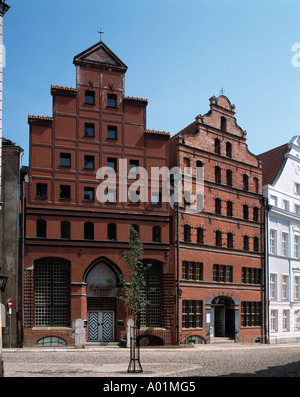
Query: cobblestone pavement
(203, 360)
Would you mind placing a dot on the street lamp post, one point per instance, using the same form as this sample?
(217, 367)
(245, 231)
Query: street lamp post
(3, 280)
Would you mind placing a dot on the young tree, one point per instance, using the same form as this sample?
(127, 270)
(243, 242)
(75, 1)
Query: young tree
(133, 293)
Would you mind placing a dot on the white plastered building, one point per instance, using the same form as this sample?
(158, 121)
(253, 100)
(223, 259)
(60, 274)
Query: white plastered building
(281, 186)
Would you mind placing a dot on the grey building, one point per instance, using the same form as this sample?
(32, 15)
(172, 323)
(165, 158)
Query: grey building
(9, 237)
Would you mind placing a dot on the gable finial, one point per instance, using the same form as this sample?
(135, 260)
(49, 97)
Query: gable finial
(222, 91)
(101, 33)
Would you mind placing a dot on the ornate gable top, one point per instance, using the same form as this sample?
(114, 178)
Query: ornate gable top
(101, 57)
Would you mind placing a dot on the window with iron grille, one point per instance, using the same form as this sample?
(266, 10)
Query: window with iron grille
(151, 315)
(223, 273)
(251, 314)
(52, 293)
(192, 314)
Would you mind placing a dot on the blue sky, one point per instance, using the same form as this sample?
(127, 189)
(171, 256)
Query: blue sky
(179, 53)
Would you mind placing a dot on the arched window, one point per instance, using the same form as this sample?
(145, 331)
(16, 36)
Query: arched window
(245, 182)
(156, 234)
(217, 146)
(187, 233)
(218, 175)
(229, 149)
(112, 232)
(89, 231)
(229, 208)
(223, 123)
(186, 162)
(229, 178)
(256, 184)
(41, 228)
(229, 240)
(245, 211)
(200, 235)
(65, 230)
(199, 165)
(246, 243)
(218, 206)
(218, 238)
(255, 214)
(256, 244)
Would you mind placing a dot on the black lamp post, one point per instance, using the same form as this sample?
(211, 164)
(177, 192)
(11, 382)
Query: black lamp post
(3, 281)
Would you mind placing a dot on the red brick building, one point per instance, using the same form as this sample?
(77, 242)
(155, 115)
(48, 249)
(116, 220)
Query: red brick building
(73, 242)
(221, 260)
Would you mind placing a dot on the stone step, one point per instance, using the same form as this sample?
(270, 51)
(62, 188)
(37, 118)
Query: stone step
(221, 340)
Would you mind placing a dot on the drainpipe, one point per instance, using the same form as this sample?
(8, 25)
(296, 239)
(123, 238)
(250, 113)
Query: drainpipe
(267, 208)
(178, 263)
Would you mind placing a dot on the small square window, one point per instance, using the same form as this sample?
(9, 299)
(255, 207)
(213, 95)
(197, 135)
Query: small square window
(89, 193)
(133, 165)
(112, 163)
(65, 160)
(111, 196)
(111, 132)
(155, 198)
(89, 129)
(89, 97)
(65, 192)
(89, 162)
(112, 100)
(41, 190)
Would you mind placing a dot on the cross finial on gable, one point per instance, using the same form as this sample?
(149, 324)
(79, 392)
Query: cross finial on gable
(101, 33)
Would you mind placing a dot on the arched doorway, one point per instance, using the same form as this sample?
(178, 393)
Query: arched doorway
(102, 279)
(224, 317)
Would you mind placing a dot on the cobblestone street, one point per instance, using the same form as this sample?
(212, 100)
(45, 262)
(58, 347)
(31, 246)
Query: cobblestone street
(200, 361)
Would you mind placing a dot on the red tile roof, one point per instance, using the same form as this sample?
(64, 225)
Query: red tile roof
(157, 132)
(59, 87)
(131, 98)
(272, 161)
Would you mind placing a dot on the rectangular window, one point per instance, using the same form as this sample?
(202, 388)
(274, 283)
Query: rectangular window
(274, 321)
(133, 165)
(285, 287)
(274, 201)
(89, 129)
(65, 192)
(155, 198)
(273, 286)
(41, 190)
(297, 209)
(89, 162)
(273, 241)
(89, 193)
(297, 288)
(112, 163)
(284, 242)
(286, 320)
(52, 293)
(223, 273)
(251, 314)
(111, 196)
(151, 314)
(297, 247)
(251, 275)
(65, 160)
(297, 188)
(297, 320)
(192, 271)
(192, 314)
(112, 100)
(89, 97)
(286, 205)
(112, 132)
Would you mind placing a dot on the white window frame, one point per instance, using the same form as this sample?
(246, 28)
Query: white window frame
(274, 321)
(286, 205)
(285, 244)
(273, 286)
(297, 288)
(285, 287)
(296, 246)
(274, 200)
(297, 188)
(273, 241)
(285, 320)
(297, 320)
